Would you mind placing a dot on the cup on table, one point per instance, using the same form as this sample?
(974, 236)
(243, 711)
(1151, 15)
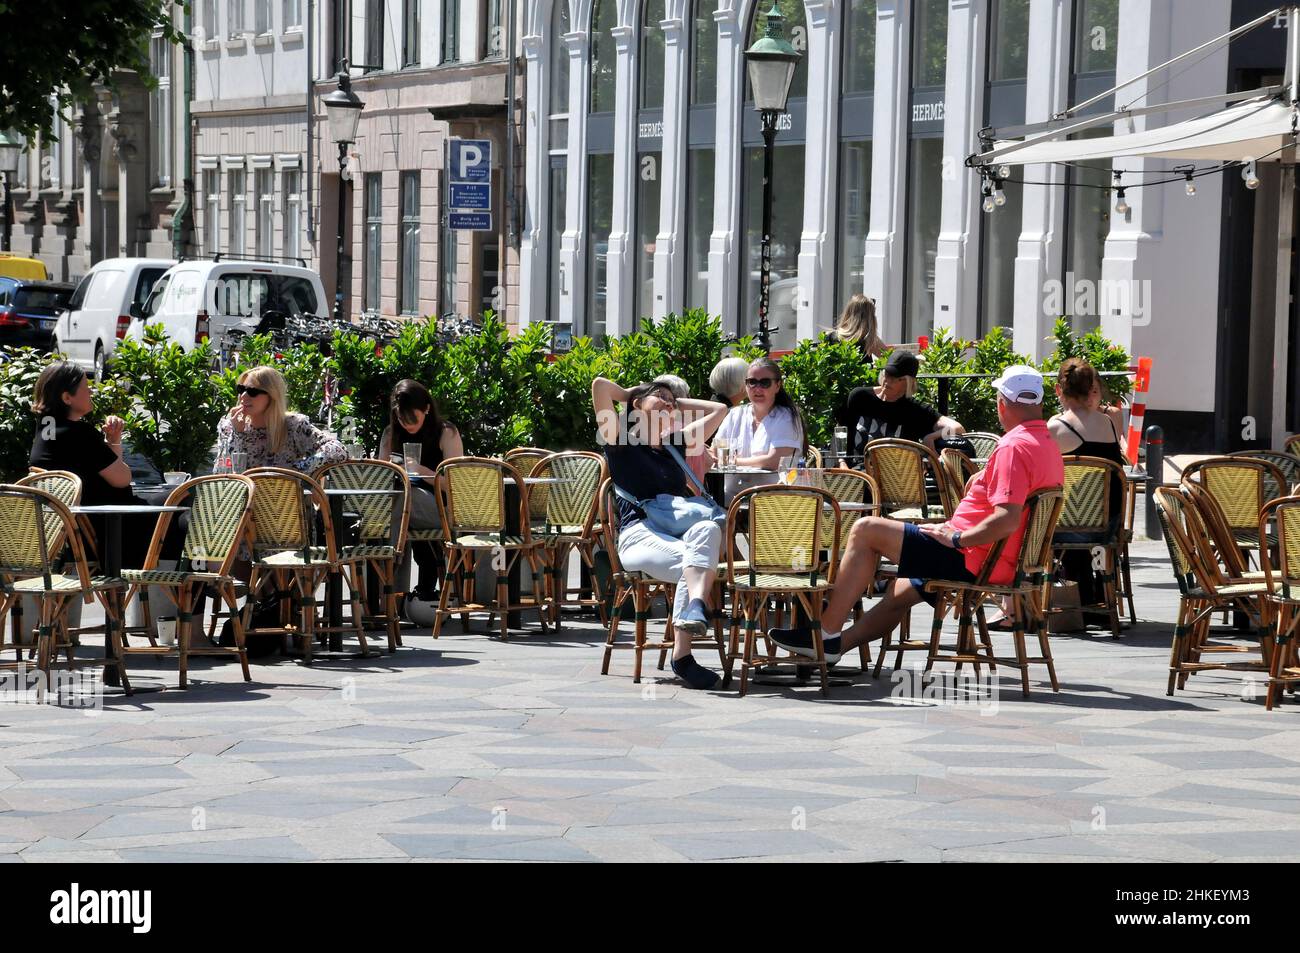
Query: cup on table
(238, 462)
(167, 630)
(175, 477)
(411, 454)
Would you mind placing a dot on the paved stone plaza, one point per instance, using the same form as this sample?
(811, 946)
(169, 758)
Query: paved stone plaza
(470, 748)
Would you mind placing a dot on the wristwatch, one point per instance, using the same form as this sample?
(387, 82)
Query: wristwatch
(956, 540)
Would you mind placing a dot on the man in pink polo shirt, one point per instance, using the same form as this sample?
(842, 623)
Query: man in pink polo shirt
(1026, 459)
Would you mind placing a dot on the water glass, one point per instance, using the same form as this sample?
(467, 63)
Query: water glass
(723, 450)
(238, 462)
(411, 454)
(840, 444)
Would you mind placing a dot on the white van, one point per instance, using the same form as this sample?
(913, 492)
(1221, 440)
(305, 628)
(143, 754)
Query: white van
(202, 298)
(101, 309)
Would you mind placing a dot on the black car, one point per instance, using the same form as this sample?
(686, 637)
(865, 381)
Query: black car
(28, 311)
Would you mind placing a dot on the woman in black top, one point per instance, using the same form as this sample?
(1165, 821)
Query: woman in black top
(66, 440)
(1087, 429)
(890, 410)
(642, 465)
(414, 418)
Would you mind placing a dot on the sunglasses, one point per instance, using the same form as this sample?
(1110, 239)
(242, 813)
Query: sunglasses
(241, 389)
(762, 383)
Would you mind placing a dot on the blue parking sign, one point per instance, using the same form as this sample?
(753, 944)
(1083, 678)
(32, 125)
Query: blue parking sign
(471, 196)
(471, 160)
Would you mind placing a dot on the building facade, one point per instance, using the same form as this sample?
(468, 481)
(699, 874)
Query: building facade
(643, 180)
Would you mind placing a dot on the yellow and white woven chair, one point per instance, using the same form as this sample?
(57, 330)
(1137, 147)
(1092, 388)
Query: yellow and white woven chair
(567, 525)
(1087, 523)
(1241, 487)
(899, 468)
(1283, 582)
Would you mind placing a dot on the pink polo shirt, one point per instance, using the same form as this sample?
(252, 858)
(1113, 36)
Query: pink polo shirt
(1026, 459)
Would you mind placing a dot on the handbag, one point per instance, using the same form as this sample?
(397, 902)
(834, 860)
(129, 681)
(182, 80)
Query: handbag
(674, 515)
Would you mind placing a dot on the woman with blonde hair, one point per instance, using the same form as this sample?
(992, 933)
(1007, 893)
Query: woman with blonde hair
(857, 325)
(260, 426)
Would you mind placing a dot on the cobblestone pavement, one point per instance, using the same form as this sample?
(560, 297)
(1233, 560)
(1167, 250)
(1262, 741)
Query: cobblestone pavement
(470, 748)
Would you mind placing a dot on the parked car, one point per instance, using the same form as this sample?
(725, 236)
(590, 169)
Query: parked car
(107, 298)
(28, 310)
(29, 269)
(197, 299)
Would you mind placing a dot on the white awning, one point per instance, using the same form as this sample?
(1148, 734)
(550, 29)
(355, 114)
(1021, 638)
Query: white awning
(1252, 129)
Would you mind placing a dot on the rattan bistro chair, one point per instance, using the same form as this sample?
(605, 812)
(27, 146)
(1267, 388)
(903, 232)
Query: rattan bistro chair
(984, 444)
(899, 468)
(1292, 445)
(1288, 463)
(66, 488)
(957, 471)
(287, 562)
(1204, 589)
(1026, 593)
(785, 562)
(1241, 487)
(1087, 523)
(1283, 582)
(641, 591)
(475, 525)
(35, 525)
(568, 525)
(378, 548)
(220, 510)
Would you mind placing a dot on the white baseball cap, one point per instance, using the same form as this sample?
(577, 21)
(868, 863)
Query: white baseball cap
(1020, 384)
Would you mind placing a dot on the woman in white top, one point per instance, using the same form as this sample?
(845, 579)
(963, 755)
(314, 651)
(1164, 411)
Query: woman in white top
(767, 428)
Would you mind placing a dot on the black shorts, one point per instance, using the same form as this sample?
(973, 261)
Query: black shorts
(923, 558)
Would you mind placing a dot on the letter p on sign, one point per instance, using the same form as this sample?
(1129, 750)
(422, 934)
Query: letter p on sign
(470, 156)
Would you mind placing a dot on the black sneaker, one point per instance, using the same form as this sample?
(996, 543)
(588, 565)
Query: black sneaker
(694, 674)
(800, 642)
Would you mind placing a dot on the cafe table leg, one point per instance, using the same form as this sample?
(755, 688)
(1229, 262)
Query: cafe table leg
(334, 582)
(112, 567)
(514, 618)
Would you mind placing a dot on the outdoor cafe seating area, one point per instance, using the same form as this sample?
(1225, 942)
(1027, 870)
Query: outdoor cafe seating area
(324, 553)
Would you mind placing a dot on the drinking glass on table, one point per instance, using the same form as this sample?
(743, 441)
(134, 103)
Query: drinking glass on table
(785, 470)
(238, 462)
(723, 450)
(411, 455)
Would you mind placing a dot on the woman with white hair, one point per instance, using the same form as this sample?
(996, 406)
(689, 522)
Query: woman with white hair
(260, 426)
(727, 380)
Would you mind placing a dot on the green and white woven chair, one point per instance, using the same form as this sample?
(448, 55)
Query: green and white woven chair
(475, 525)
(984, 444)
(377, 548)
(220, 507)
(35, 525)
(568, 521)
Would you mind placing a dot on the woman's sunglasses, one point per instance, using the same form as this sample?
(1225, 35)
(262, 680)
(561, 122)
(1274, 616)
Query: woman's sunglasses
(760, 382)
(241, 389)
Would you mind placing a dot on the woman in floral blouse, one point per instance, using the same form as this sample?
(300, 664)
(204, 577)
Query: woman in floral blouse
(259, 426)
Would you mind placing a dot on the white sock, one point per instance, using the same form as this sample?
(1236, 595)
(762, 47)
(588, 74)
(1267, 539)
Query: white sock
(829, 635)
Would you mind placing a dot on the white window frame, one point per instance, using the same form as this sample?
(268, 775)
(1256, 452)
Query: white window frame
(292, 13)
(263, 18)
(235, 22)
(292, 211)
(211, 198)
(264, 214)
(160, 105)
(237, 239)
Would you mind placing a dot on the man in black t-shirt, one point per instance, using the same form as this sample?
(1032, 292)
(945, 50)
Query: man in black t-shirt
(890, 410)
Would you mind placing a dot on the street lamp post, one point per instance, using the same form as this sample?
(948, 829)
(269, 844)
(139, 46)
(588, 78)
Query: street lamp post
(772, 61)
(343, 110)
(11, 150)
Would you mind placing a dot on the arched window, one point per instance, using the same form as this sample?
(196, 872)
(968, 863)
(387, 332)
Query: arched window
(557, 184)
(857, 82)
(600, 161)
(787, 199)
(649, 147)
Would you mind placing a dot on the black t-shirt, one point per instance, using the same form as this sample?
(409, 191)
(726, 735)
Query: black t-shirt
(873, 418)
(643, 472)
(79, 448)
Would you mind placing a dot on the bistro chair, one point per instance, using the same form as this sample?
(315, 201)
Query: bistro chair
(379, 544)
(220, 509)
(476, 524)
(66, 488)
(568, 526)
(957, 471)
(641, 591)
(1087, 523)
(1026, 595)
(785, 562)
(1204, 589)
(1240, 486)
(286, 562)
(526, 460)
(1292, 445)
(35, 526)
(1283, 582)
(984, 444)
(900, 468)
(1288, 463)
(813, 457)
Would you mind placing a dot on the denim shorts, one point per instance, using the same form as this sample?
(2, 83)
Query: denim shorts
(923, 558)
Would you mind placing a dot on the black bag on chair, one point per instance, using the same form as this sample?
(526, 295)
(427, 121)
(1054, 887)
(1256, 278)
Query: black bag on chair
(266, 615)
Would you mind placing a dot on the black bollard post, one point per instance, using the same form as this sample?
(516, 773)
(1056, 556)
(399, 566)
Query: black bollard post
(1155, 475)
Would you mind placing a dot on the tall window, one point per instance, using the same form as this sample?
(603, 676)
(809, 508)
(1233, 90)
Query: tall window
(854, 187)
(651, 100)
(859, 74)
(450, 31)
(557, 191)
(604, 17)
(291, 184)
(410, 32)
(238, 201)
(1095, 32)
(924, 169)
(929, 43)
(292, 15)
(262, 17)
(495, 40)
(1009, 40)
(600, 166)
(210, 19)
(160, 105)
(211, 211)
(699, 186)
(374, 35)
(704, 54)
(408, 266)
(234, 18)
(339, 35)
(264, 223)
(373, 240)
(448, 251)
(652, 55)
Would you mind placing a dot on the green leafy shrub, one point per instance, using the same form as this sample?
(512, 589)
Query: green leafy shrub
(819, 375)
(1094, 348)
(19, 369)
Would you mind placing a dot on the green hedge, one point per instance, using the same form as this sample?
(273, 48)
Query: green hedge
(502, 392)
